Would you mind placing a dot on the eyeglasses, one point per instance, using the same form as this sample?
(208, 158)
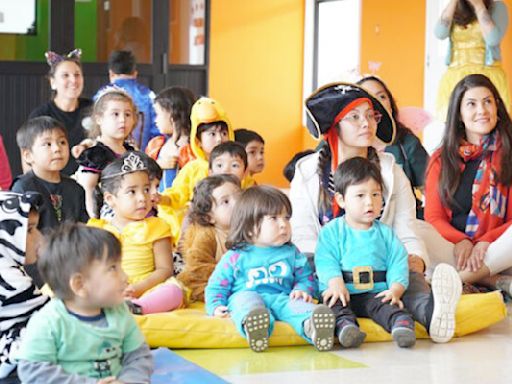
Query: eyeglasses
(357, 118)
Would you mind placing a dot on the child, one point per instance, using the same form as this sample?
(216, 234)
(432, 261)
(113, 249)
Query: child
(228, 158)
(146, 241)
(155, 176)
(361, 265)
(264, 277)
(122, 72)
(255, 147)
(44, 145)
(203, 241)
(172, 149)
(86, 334)
(19, 297)
(210, 127)
(289, 168)
(115, 116)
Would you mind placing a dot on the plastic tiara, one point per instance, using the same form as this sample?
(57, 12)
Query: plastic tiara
(53, 58)
(112, 89)
(131, 163)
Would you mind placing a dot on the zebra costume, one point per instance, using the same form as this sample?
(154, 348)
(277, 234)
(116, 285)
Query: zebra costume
(19, 298)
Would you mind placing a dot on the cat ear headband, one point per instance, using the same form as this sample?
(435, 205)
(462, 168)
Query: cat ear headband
(131, 163)
(53, 58)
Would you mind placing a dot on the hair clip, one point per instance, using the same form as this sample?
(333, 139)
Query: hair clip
(131, 163)
(53, 58)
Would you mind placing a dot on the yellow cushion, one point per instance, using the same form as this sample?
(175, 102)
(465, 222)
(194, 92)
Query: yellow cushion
(192, 328)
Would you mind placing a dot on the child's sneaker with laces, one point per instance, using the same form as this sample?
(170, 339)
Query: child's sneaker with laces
(446, 291)
(403, 332)
(351, 336)
(256, 325)
(320, 328)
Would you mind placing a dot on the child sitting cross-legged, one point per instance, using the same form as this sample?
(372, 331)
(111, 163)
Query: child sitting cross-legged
(203, 241)
(146, 241)
(86, 334)
(263, 277)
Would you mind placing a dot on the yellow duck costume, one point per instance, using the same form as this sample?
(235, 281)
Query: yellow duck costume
(175, 199)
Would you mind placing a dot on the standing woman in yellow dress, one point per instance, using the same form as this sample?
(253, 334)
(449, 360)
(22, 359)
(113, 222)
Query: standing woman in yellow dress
(475, 29)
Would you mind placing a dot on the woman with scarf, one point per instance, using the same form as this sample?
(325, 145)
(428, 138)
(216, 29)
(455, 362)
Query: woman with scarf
(468, 185)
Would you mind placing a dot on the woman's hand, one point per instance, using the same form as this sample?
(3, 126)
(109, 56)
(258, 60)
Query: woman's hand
(476, 259)
(462, 252)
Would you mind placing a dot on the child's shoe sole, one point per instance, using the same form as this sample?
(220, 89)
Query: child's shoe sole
(351, 336)
(322, 326)
(256, 327)
(446, 289)
(404, 337)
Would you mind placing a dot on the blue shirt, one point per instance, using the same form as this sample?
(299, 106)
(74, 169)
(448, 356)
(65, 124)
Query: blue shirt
(341, 248)
(277, 270)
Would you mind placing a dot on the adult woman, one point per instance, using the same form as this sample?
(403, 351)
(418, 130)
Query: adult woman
(66, 105)
(406, 148)
(475, 29)
(350, 118)
(468, 202)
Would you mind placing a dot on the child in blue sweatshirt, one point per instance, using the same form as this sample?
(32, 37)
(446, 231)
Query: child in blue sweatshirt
(263, 277)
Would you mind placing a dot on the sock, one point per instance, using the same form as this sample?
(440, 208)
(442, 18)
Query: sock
(163, 299)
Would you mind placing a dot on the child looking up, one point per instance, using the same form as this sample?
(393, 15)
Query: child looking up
(115, 116)
(146, 241)
(204, 240)
(172, 150)
(255, 147)
(263, 277)
(86, 334)
(44, 146)
(228, 158)
(19, 296)
(210, 127)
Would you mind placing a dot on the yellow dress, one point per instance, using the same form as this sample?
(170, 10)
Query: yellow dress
(137, 240)
(468, 57)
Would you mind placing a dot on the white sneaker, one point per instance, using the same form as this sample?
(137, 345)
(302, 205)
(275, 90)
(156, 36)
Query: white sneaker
(446, 289)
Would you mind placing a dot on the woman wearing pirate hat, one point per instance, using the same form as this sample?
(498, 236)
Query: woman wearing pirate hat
(349, 119)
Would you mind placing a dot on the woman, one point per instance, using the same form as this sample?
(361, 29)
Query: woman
(66, 105)
(406, 148)
(467, 203)
(349, 119)
(475, 29)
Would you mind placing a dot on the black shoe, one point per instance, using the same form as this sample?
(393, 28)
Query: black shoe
(136, 309)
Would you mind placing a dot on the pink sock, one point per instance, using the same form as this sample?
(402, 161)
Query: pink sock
(163, 299)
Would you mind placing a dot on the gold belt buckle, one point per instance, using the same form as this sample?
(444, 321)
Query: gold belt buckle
(363, 277)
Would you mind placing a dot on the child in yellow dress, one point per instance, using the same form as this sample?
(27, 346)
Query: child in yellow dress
(146, 241)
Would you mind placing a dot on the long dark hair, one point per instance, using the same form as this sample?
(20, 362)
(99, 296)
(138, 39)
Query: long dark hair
(465, 13)
(401, 130)
(455, 131)
(178, 101)
(251, 207)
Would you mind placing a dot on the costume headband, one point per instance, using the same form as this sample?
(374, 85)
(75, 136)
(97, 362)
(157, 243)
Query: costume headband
(53, 58)
(112, 89)
(131, 163)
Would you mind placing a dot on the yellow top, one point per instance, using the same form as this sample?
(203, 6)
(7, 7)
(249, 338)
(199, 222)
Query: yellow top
(468, 45)
(137, 240)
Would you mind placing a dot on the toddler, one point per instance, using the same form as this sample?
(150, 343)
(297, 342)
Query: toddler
(263, 277)
(86, 333)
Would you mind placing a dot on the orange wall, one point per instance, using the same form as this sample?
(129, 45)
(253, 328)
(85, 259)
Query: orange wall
(393, 34)
(256, 55)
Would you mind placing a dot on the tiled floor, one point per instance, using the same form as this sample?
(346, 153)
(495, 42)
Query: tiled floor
(485, 357)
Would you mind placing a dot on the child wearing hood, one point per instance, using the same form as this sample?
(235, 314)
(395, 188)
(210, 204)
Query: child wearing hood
(19, 297)
(210, 127)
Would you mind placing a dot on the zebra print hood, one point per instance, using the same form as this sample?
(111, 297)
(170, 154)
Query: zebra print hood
(19, 297)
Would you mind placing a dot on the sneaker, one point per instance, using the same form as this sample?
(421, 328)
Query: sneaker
(136, 309)
(404, 337)
(320, 328)
(351, 336)
(504, 283)
(446, 290)
(256, 325)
